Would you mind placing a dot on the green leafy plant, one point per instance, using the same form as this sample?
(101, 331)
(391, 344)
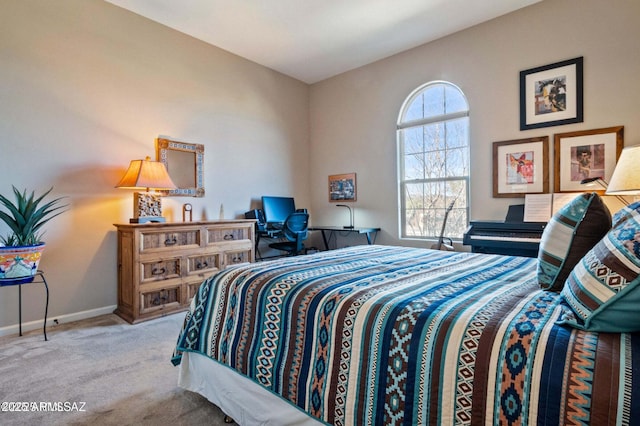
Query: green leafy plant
(26, 217)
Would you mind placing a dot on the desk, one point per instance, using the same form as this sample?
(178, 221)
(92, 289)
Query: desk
(369, 232)
(37, 278)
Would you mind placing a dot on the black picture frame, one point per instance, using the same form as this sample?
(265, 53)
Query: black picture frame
(552, 95)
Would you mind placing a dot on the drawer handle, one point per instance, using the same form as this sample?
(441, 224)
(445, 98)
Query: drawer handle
(158, 271)
(228, 237)
(170, 241)
(159, 300)
(201, 265)
(236, 259)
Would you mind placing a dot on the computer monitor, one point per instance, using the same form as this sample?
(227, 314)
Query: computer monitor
(277, 209)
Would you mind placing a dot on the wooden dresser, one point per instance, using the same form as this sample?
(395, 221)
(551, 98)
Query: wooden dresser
(161, 265)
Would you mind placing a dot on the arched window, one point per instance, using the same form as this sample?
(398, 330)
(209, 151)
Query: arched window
(433, 162)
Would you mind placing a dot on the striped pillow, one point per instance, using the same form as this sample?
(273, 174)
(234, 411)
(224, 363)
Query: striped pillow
(603, 290)
(625, 213)
(570, 233)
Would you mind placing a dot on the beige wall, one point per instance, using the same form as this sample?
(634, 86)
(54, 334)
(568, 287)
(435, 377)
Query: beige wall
(354, 115)
(85, 87)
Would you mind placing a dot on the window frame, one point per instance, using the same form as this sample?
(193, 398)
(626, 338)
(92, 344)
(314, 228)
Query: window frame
(402, 183)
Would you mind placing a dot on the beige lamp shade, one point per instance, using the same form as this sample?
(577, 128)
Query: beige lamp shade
(626, 176)
(146, 174)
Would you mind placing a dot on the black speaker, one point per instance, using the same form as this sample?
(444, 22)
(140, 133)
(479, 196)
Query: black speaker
(258, 214)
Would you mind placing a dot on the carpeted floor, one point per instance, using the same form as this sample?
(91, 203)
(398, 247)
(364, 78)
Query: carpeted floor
(117, 373)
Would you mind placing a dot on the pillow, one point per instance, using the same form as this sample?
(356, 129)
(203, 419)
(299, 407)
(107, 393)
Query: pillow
(625, 213)
(603, 290)
(568, 236)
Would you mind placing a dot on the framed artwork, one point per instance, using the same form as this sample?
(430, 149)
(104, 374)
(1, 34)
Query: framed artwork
(551, 95)
(585, 154)
(342, 187)
(521, 167)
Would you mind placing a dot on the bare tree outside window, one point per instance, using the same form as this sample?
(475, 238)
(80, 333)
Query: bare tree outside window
(433, 150)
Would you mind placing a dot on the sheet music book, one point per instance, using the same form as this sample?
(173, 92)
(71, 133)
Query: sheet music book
(541, 207)
(561, 199)
(537, 207)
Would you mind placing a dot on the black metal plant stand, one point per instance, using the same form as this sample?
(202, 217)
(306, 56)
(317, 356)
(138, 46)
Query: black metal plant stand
(37, 278)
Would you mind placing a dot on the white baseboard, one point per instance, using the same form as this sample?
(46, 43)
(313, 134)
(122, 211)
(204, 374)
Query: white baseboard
(56, 319)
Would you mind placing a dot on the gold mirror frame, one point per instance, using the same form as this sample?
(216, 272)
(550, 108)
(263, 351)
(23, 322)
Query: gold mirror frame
(184, 162)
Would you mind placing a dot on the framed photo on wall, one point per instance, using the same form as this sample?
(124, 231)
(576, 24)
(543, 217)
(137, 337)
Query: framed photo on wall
(521, 167)
(585, 154)
(551, 95)
(342, 187)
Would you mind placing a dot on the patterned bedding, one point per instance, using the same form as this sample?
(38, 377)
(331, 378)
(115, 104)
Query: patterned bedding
(395, 335)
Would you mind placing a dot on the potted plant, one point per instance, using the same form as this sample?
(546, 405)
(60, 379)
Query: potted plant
(21, 248)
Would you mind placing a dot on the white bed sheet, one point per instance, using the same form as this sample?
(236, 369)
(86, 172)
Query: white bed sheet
(237, 396)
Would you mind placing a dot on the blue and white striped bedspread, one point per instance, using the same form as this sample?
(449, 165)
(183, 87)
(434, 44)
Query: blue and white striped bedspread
(376, 335)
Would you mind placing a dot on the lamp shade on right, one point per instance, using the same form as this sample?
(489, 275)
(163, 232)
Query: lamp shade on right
(626, 176)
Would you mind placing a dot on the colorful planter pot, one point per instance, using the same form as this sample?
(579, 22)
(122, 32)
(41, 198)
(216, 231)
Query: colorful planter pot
(20, 263)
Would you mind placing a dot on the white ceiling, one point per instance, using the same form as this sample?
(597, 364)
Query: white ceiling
(312, 40)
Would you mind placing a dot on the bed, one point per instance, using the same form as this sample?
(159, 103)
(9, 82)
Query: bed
(395, 335)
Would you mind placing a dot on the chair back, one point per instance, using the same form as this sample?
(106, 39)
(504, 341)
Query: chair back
(295, 228)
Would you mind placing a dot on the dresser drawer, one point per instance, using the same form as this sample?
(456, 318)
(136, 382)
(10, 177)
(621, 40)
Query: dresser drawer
(237, 257)
(201, 264)
(192, 289)
(169, 240)
(162, 265)
(159, 270)
(226, 234)
(166, 298)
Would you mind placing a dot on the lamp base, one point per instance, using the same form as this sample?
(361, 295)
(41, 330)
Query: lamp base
(148, 219)
(147, 208)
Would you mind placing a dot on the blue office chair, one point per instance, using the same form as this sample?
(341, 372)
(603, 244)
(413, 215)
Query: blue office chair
(295, 231)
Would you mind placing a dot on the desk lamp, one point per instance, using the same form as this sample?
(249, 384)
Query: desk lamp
(626, 176)
(350, 216)
(146, 174)
(604, 185)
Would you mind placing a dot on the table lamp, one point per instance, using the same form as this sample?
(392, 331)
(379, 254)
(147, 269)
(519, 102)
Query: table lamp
(146, 174)
(626, 177)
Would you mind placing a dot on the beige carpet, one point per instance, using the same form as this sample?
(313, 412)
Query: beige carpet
(119, 374)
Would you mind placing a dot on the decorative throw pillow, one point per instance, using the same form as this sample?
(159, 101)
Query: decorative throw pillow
(570, 233)
(603, 290)
(625, 213)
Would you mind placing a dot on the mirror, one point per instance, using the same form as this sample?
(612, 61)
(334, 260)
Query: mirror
(184, 163)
